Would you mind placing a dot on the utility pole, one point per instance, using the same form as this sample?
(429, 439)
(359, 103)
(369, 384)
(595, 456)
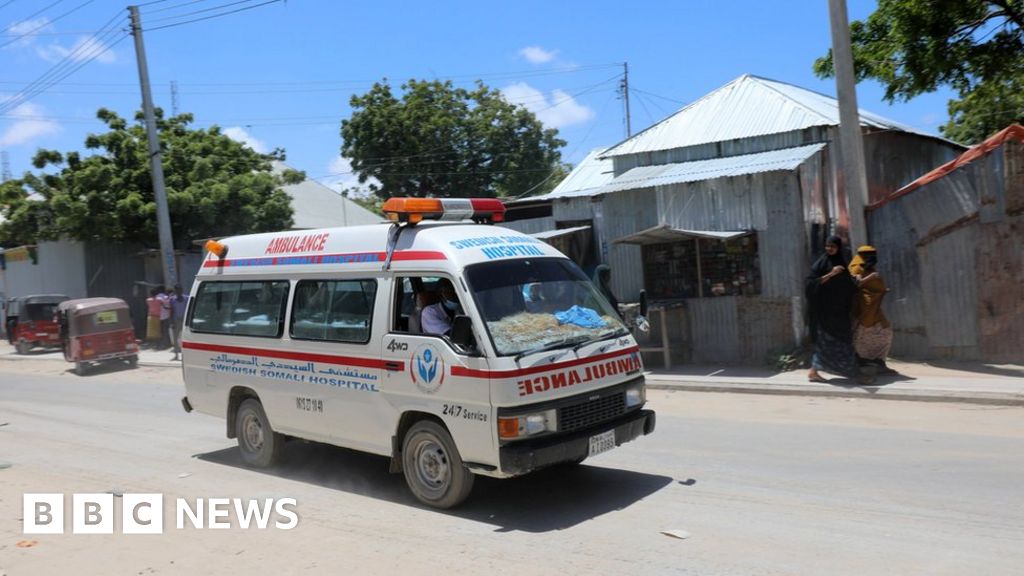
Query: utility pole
(624, 87)
(163, 218)
(5, 166)
(174, 97)
(851, 145)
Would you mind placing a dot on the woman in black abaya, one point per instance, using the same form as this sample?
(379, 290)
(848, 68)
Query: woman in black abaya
(830, 290)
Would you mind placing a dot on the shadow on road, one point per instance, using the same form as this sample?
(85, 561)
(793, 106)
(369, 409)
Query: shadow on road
(551, 499)
(103, 368)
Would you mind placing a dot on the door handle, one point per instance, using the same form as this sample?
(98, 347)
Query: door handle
(393, 366)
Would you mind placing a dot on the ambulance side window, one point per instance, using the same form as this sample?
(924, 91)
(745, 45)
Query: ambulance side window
(333, 310)
(240, 308)
(412, 294)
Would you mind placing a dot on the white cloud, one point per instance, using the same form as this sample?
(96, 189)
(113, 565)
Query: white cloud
(341, 177)
(28, 27)
(239, 134)
(27, 123)
(84, 48)
(537, 55)
(556, 110)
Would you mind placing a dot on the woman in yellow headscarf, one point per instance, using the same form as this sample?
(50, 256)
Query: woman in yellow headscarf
(872, 334)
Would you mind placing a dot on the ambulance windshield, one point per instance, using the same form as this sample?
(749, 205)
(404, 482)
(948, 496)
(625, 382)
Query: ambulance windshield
(542, 303)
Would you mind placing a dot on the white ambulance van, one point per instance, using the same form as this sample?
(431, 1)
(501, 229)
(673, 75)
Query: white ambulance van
(453, 348)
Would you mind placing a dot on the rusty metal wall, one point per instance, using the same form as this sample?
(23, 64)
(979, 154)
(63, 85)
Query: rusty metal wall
(894, 159)
(949, 290)
(952, 255)
(1000, 262)
(898, 263)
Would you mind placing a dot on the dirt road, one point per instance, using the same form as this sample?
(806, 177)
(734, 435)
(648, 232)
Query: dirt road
(762, 485)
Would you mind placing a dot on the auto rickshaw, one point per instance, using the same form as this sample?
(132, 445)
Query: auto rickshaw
(33, 322)
(95, 330)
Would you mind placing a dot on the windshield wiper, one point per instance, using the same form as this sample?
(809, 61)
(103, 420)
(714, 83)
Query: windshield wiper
(544, 348)
(615, 334)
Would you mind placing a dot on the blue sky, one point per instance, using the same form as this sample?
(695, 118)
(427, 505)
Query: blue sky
(281, 75)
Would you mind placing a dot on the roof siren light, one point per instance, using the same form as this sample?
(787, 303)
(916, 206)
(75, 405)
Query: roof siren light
(414, 210)
(216, 248)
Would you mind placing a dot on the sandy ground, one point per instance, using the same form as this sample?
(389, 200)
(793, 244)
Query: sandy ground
(760, 484)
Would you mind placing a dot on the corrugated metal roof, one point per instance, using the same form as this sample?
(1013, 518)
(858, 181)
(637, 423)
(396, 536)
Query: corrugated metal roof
(549, 234)
(662, 174)
(665, 233)
(317, 206)
(590, 174)
(746, 107)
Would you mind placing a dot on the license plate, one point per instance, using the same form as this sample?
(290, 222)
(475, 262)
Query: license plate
(602, 442)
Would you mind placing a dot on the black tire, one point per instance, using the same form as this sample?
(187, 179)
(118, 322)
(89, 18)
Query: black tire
(259, 445)
(81, 368)
(133, 361)
(23, 347)
(433, 467)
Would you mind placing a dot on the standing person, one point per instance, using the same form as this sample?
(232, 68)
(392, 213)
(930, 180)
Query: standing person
(872, 334)
(603, 280)
(165, 317)
(830, 290)
(179, 304)
(153, 306)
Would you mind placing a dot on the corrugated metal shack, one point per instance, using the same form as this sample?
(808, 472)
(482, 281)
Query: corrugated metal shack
(952, 252)
(721, 207)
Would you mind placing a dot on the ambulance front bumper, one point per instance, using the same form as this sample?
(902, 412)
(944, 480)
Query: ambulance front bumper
(523, 457)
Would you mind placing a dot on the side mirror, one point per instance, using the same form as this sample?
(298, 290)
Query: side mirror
(462, 333)
(643, 303)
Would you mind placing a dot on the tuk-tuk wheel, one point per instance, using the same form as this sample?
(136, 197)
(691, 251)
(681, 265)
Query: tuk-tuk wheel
(23, 347)
(80, 368)
(133, 361)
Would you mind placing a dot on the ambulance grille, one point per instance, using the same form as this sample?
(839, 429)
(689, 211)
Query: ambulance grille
(591, 412)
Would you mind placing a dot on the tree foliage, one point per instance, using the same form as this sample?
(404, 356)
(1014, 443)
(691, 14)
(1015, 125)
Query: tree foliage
(973, 46)
(215, 187)
(442, 141)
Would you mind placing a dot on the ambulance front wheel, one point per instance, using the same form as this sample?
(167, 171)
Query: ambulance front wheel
(432, 466)
(259, 444)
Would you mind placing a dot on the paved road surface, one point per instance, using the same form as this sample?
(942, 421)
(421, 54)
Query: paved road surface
(762, 484)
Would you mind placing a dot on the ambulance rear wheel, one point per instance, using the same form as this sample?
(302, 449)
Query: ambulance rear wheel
(433, 467)
(259, 444)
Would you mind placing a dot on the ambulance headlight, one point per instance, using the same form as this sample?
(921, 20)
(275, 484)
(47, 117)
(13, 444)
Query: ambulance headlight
(512, 427)
(635, 395)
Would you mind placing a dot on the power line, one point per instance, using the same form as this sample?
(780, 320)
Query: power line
(72, 62)
(357, 83)
(34, 14)
(203, 11)
(673, 100)
(47, 23)
(174, 7)
(243, 9)
(5, 4)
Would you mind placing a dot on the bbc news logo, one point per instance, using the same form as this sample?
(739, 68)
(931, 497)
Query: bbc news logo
(144, 513)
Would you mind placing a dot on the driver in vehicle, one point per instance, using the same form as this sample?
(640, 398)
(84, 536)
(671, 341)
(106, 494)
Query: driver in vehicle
(437, 318)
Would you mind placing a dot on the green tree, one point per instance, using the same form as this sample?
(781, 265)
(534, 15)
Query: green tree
(973, 46)
(215, 187)
(442, 141)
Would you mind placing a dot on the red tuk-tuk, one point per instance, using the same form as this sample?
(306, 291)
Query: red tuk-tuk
(94, 330)
(34, 324)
